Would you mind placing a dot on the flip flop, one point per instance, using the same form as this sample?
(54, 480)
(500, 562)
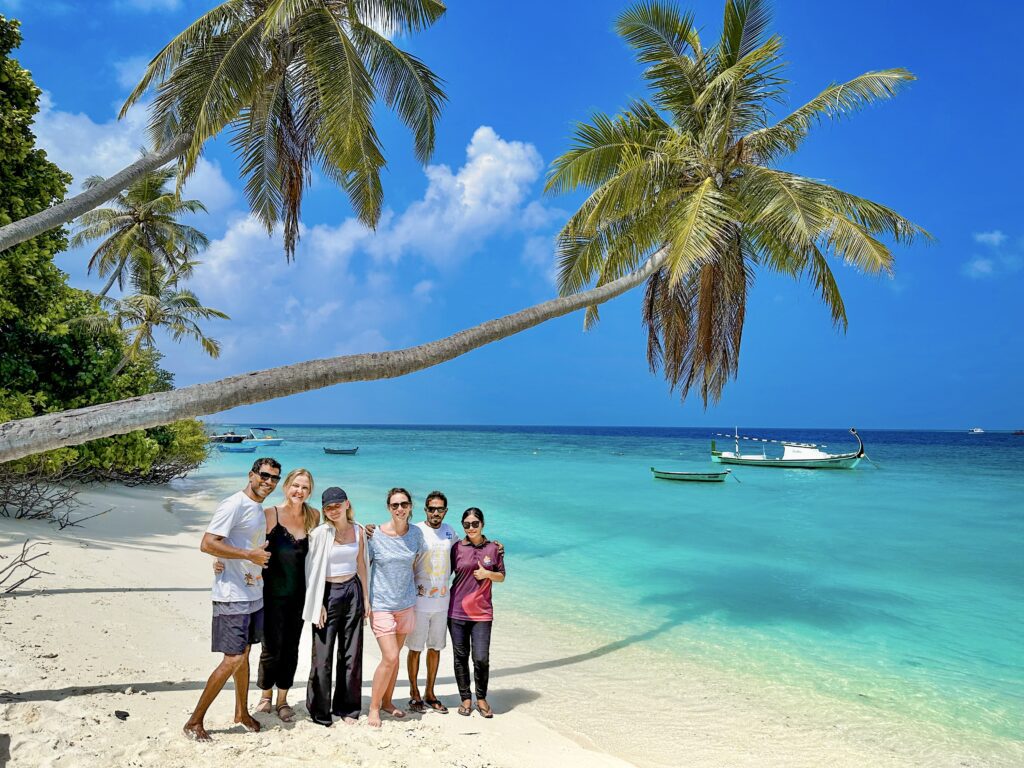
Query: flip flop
(488, 713)
(416, 705)
(265, 707)
(286, 713)
(436, 705)
(395, 712)
(465, 711)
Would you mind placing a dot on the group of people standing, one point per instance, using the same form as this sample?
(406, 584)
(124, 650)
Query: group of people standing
(283, 567)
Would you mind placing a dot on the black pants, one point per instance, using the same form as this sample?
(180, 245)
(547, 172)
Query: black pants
(282, 630)
(344, 604)
(475, 637)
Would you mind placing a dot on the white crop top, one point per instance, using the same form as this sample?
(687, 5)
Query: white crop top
(342, 560)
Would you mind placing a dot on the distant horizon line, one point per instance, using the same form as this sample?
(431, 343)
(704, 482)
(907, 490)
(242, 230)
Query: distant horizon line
(579, 426)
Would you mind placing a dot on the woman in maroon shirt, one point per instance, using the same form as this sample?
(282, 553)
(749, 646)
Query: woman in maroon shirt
(476, 564)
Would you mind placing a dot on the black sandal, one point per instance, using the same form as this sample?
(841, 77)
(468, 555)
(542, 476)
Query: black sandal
(436, 705)
(416, 705)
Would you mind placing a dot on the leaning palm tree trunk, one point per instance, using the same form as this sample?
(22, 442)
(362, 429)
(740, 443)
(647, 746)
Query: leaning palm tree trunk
(62, 213)
(56, 430)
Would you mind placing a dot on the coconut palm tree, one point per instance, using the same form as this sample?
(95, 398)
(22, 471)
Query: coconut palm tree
(670, 208)
(295, 82)
(142, 224)
(160, 302)
(694, 171)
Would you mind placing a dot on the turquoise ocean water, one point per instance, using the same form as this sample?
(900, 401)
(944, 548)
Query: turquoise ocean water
(900, 587)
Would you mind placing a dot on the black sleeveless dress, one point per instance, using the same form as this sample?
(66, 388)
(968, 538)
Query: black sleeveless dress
(284, 591)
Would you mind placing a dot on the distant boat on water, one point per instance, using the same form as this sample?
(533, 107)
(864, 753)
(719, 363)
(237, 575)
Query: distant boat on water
(263, 436)
(975, 431)
(236, 448)
(226, 437)
(696, 477)
(794, 455)
(1018, 432)
(342, 451)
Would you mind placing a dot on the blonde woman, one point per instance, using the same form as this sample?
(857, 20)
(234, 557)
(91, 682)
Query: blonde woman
(336, 604)
(284, 588)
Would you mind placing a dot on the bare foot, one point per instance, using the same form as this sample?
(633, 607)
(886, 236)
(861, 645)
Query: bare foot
(248, 722)
(195, 732)
(349, 720)
(374, 718)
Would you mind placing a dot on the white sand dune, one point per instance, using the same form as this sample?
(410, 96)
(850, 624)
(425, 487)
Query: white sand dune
(123, 625)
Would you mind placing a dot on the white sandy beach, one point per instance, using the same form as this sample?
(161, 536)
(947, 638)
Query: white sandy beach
(124, 622)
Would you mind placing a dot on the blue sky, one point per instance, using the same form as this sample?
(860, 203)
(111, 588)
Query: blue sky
(470, 237)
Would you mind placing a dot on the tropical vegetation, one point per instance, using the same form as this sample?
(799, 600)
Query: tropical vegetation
(685, 195)
(693, 175)
(142, 225)
(48, 362)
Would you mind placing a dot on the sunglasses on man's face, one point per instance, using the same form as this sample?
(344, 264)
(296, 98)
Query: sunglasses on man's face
(437, 509)
(396, 505)
(269, 477)
(469, 524)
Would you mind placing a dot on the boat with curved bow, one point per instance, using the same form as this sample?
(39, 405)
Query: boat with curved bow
(794, 455)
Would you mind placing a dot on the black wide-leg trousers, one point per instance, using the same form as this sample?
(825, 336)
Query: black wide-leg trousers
(344, 626)
(282, 630)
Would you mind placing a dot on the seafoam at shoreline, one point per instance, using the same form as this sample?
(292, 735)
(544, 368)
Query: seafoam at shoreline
(128, 606)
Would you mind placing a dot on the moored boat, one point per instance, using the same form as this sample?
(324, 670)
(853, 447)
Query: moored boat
(794, 455)
(342, 451)
(697, 477)
(975, 431)
(263, 436)
(236, 448)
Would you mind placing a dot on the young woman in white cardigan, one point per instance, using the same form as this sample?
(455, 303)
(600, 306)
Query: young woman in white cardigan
(336, 605)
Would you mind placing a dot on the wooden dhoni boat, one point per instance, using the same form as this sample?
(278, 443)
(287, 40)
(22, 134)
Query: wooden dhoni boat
(794, 455)
(342, 451)
(695, 477)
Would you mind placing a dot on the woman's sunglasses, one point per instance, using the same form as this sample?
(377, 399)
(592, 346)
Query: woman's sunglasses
(471, 524)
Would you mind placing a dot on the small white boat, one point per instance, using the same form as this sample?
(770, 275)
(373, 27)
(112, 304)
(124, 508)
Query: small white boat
(794, 455)
(263, 436)
(235, 448)
(976, 431)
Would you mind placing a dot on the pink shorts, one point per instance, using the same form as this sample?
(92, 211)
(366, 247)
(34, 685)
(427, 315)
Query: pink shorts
(394, 622)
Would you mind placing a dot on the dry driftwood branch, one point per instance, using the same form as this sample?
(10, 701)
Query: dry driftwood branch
(21, 567)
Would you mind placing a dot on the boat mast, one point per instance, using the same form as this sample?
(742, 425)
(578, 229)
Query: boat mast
(737, 441)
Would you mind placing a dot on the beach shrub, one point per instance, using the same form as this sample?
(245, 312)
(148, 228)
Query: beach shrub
(48, 360)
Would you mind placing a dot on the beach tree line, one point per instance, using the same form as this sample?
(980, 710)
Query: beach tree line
(49, 360)
(685, 193)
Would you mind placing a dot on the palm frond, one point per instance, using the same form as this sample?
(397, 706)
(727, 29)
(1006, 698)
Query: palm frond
(833, 103)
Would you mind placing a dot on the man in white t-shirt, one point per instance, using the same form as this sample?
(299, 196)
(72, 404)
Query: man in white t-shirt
(433, 577)
(237, 535)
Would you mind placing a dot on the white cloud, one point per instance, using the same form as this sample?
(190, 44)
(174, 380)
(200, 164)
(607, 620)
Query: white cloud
(130, 71)
(461, 209)
(85, 148)
(979, 267)
(539, 254)
(423, 290)
(1000, 258)
(994, 238)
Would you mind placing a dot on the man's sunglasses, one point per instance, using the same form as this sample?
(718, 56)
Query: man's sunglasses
(269, 477)
(437, 509)
(471, 524)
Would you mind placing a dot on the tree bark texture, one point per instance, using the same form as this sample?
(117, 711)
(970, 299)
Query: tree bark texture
(54, 216)
(56, 430)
